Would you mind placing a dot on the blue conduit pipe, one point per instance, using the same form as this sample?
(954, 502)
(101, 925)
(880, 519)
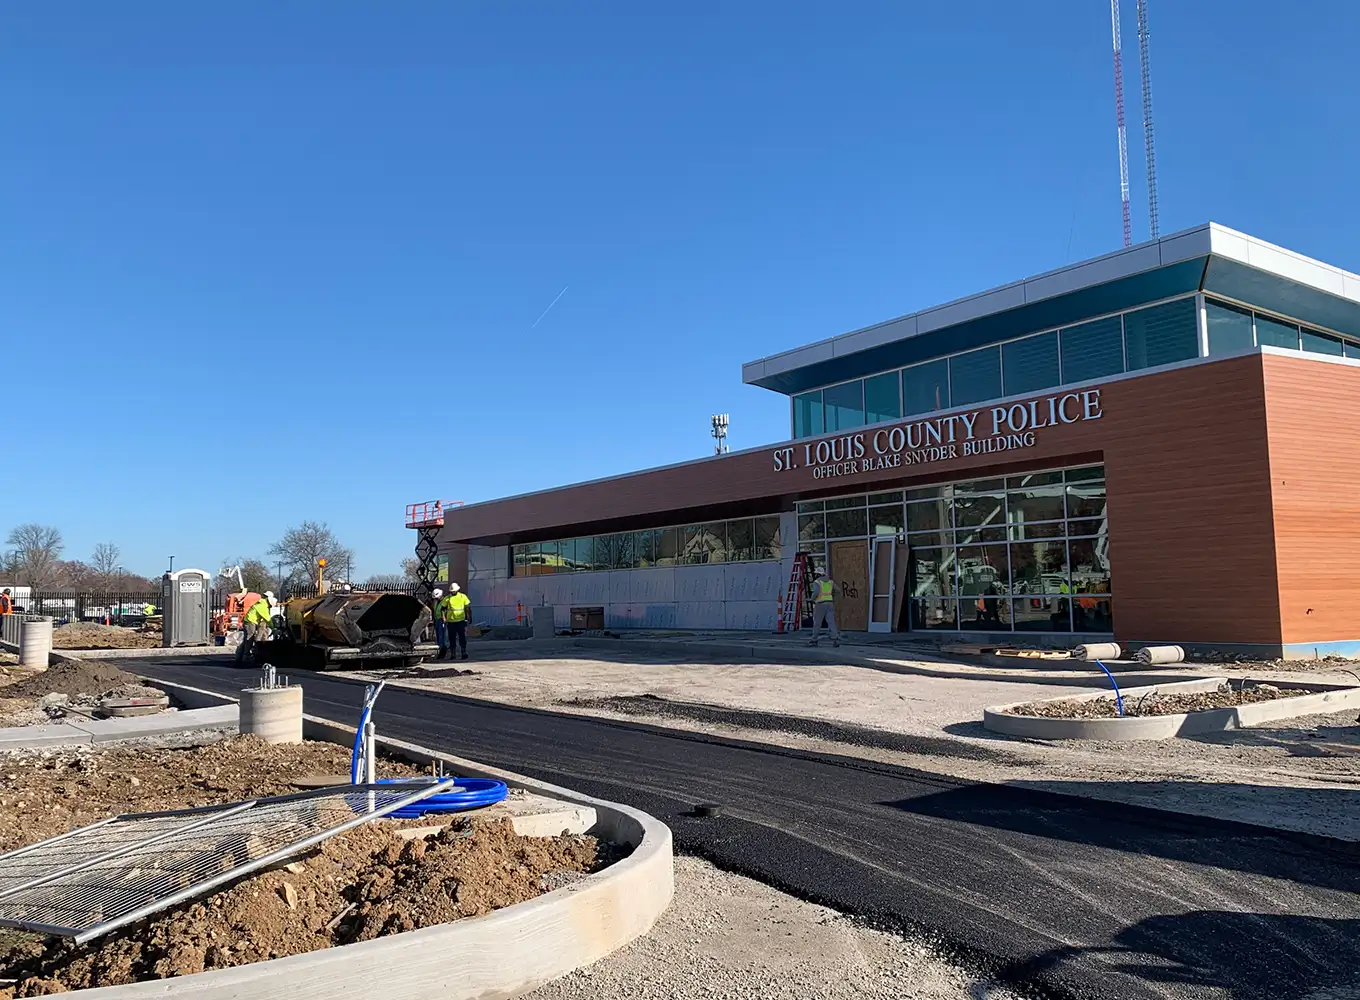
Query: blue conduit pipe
(467, 793)
(1118, 701)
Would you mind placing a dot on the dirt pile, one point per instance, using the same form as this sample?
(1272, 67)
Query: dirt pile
(1226, 695)
(47, 792)
(362, 885)
(71, 677)
(91, 635)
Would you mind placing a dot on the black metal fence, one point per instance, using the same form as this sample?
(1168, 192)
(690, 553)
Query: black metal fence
(134, 607)
(111, 607)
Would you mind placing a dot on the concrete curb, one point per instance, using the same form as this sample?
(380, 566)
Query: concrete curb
(60, 655)
(88, 731)
(1314, 699)
(504, 954)
(1065, 673)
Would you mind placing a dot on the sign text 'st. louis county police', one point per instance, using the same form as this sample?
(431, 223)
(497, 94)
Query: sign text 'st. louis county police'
(1005, 427)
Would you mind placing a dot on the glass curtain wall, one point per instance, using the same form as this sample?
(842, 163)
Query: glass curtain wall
(1027, 553)
(1234, 328)
(746, 539)
(1141, 338)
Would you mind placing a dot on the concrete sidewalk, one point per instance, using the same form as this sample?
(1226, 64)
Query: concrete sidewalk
(90, 731)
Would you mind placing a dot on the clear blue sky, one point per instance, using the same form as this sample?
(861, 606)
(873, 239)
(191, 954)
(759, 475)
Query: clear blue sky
(250, 250)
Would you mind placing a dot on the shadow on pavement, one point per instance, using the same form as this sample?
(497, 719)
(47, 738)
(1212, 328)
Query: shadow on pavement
(1308, 859)
(1247, 956)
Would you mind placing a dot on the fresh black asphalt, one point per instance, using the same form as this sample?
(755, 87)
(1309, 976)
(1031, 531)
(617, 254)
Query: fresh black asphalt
(1060, 895)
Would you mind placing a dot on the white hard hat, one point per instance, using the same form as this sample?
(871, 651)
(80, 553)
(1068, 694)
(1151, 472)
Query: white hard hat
(453, 587)
(269, 594)
(438, 592)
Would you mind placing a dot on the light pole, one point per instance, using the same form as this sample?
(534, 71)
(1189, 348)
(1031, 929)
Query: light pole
(172, 564)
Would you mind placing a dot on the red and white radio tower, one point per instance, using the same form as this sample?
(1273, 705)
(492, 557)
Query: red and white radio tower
(1147, 116)
(1119, 120)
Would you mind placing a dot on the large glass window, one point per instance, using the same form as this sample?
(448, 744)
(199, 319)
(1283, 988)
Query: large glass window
(1161, 335)
(925, 388)
(767, 541)
(1322, 343)
(1093, 350)
(1229, 328)
(624, 553)
(1352, 350)
(807, 414)
(846, 523)
(882, 398)
(975, 376)
(844, 406)
(740, 540)
(1031, 364)
(1273, 333)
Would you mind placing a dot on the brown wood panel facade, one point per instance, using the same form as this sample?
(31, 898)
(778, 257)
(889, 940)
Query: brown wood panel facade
(1313, 412)
(1191, 519)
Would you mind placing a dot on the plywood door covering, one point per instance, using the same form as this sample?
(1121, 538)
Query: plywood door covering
(850, 571)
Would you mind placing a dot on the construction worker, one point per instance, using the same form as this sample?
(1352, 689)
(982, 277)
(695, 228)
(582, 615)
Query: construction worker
(455, 610)
(6, 602)
(441, 633)
(256, 629)
(824, 607)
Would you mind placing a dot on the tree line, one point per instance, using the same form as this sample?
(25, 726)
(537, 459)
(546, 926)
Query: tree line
(33, 558)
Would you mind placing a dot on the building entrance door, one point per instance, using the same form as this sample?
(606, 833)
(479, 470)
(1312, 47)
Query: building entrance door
(882, 581)
(850, 570)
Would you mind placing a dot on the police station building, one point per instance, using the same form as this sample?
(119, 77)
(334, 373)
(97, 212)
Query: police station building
(1161, 444)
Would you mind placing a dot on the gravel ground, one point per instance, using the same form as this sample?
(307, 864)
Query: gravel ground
(1300, 774)
(727, 937)
(1227, 695)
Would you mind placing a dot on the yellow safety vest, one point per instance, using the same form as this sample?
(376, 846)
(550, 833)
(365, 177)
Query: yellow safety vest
(826, 591)
(454, 607)
(259, 612)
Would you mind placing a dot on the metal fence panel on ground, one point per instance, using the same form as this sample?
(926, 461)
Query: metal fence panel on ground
(93, 880)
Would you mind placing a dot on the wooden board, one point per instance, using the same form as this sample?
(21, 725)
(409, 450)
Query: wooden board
(850, 571)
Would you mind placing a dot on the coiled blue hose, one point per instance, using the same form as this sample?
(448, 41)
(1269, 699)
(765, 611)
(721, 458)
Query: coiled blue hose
(469, 793)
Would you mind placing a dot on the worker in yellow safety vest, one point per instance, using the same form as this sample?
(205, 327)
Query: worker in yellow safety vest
(824, 607)
(454, 610)
(256, 626)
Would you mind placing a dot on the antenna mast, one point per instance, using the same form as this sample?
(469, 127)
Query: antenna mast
(1147, 117)
(1119, 120)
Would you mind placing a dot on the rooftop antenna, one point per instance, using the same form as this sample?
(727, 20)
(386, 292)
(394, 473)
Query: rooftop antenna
(1119, 121)
(719, 433)
(1147, 117)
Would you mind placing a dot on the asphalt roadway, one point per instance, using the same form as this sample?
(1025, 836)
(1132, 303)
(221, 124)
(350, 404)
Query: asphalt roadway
(1060, 896)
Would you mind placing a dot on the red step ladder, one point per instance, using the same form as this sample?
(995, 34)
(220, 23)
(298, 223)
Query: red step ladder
(797, 605)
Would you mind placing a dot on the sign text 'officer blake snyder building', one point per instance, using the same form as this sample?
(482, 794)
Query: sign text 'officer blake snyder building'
(1162, 444)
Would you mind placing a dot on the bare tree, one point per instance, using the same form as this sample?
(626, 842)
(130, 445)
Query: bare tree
(302, 546)
(104, 562)
(35, 554)
(75, 575)
(410, 570)
(254, 574)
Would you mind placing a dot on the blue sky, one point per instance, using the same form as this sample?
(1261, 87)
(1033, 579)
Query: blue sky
(267, 262)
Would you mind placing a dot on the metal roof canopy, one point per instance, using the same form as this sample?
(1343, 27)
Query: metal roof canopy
(95, 879)
(1210, 258)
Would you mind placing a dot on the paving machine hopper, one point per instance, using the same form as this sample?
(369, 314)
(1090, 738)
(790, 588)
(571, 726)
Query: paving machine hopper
(346, 627)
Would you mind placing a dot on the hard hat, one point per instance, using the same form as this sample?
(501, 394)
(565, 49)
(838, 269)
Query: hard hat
(269, 594)
(453, 588)
(438, 592)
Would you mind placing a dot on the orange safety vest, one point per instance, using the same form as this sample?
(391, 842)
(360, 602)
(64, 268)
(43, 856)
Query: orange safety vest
(6, 605)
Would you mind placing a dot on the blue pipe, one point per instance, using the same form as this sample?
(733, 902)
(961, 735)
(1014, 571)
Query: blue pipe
(358, 745)
(472, 793)
(1118, 701)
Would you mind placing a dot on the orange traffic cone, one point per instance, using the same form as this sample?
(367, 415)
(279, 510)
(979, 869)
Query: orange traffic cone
(779, 615)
